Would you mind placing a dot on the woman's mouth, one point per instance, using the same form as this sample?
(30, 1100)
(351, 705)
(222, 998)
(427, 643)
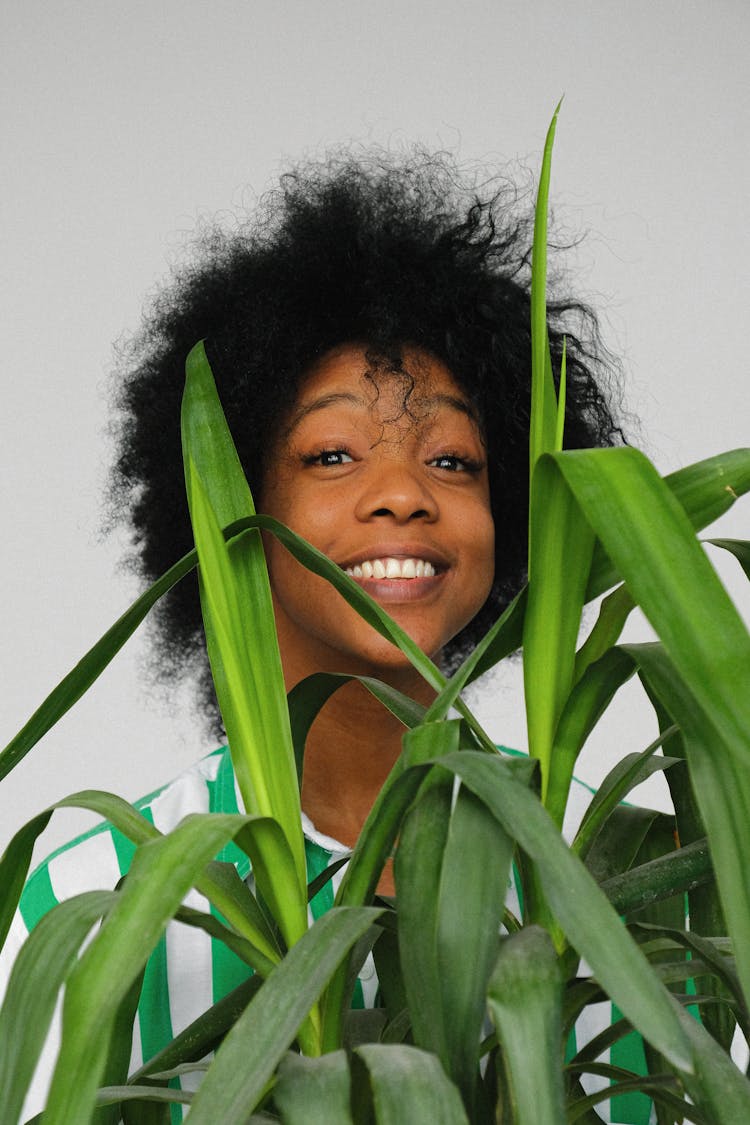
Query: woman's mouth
(393, 568)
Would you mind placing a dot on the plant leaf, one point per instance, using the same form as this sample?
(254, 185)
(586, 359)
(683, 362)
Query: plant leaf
(586, 703)
(162, 872)
(720, 778)
(561, 542)
(88, 669)
(452, 869)
(203, 1035)
(543, 427)
(660, 878)
(597, 934)
(525, 1002)
(624, 776)
(402, 1083)
(740, 548)
(251, 1051)
(704, 490)
(582, 910)
(314, 1091)
(45, 959)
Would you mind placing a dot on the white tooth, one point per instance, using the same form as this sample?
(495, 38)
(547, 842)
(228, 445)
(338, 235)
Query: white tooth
(357, 571)
(392, 568)
(409, 568)
(349, 571)
(419, 568)
(367, 570)
(429, 570)
(378, 570)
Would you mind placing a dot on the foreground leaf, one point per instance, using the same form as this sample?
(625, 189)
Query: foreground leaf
(597, 934)
(525, 1001)
(452, 869)
(395, 1083)
(314, 1091)
(162, 872)
(39, 972)
(251, 1051)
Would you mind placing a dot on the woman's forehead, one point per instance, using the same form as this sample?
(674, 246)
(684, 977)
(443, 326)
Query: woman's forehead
(347, 376)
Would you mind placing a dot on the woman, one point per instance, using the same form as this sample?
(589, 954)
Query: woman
(392, 275)
(369, 335)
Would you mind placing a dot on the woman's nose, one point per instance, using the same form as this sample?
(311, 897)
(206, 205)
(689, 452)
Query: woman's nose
(397, 491)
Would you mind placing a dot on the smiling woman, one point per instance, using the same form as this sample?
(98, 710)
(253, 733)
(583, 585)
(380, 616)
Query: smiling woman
(369, 334)
(389, 479)
(402, 257)
(397, 494)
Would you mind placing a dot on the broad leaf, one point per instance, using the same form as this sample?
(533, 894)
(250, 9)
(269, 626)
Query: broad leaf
(525, 1002)
(403, 1084)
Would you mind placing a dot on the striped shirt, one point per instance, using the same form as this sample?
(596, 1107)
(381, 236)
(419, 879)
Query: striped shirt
(189, 971)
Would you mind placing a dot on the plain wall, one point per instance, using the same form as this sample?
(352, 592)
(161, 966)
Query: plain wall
(123, 124)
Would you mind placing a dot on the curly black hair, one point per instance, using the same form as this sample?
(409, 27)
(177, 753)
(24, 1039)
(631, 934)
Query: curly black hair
(388, 252)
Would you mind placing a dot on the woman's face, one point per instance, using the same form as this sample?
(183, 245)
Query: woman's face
(399, 499)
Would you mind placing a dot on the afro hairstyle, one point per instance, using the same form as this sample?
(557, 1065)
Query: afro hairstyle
(390, 252)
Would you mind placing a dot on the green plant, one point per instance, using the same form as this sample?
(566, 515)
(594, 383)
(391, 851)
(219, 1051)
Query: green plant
(600, 520)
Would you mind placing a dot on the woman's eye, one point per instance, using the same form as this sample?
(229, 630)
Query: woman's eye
(452, 463)
(328, 457)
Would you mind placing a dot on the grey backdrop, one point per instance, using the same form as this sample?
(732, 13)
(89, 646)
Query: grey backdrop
(123, 124)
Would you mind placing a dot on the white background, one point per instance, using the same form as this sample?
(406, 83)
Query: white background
(122, 124)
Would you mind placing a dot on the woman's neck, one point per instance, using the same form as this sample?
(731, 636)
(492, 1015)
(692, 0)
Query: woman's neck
(350, 750)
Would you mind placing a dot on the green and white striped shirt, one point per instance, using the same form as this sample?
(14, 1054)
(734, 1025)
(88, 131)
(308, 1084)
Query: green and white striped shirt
(189, 970)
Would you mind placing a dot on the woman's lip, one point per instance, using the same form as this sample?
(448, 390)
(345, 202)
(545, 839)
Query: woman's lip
(390, 590)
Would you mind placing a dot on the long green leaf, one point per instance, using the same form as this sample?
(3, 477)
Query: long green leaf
(371, 851)
(237, 604)
(88, 669)
(648, 535)
(592, 926)
(721, 783)
(705, 950)
(613, 613)
(417, 870)
(252, 1049)
(597, 934)
(679, 871)
(543, 428)
(616, 846)
(452, 868)
(624, 776)
(659, 1087)
(219, 882)
(706, 645)
(705, 491)
(162, 872)
(204, 1034)
(40, 969)
(583, 708)
(560, 557)
(525, 1002)
(504, 637)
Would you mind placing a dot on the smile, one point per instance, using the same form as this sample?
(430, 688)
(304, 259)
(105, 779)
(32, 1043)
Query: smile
(390, 567)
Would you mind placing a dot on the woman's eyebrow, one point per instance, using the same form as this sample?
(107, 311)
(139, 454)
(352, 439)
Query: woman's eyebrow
(455, 401)
(428, 402)
(322, 403)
